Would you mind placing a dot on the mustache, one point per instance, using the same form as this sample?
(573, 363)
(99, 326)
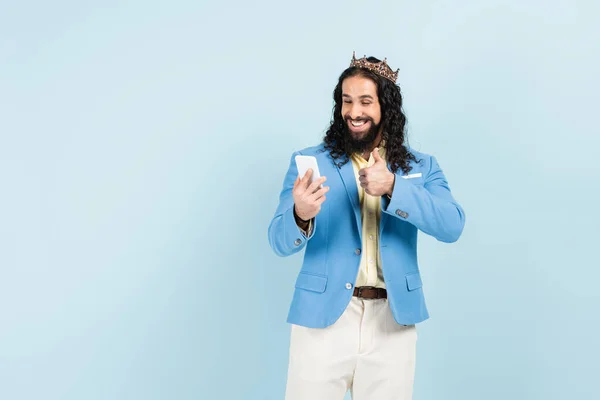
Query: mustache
(348, 118)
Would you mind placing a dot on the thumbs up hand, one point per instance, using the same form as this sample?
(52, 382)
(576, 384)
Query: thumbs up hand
(377, 179)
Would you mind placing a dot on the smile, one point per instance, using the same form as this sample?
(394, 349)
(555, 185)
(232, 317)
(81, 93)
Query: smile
(358, 125)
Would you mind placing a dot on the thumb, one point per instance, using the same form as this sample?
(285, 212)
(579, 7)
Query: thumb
(376, 155)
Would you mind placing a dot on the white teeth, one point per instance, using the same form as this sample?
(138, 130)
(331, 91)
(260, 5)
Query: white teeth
(359, 123)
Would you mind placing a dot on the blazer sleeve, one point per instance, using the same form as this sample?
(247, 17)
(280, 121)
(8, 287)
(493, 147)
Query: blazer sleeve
(430, 207)
(285, 236)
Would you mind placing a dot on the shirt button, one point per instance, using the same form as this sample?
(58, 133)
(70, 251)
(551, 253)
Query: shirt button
(371, 261)
(357, 252)
(371, 237)
(297, 242)
(348, 286)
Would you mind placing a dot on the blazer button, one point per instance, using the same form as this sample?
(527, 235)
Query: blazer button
(297, 242)
(357, 252)
(402, 213)
(348, 286)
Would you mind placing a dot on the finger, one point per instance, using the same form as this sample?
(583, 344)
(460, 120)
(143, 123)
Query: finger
(306, 178)
(363, 171)
(315, 185)
(298, 188)
(320, 200)
(376, 154)
(307, 175)
(362, 179)
(319, 193)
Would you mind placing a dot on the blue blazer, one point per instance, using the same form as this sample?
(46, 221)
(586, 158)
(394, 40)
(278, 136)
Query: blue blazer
(326, 280)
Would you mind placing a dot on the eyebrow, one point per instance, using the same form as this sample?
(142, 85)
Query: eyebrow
(364, 96)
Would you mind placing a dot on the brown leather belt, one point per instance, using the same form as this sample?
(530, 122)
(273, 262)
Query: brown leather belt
(370, 292)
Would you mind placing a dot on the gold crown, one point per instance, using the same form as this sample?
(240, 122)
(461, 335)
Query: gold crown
(381, 68)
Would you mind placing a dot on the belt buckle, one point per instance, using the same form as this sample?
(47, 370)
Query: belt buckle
(360, 289)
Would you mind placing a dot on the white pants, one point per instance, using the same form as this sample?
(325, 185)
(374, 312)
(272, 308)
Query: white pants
(365, 351)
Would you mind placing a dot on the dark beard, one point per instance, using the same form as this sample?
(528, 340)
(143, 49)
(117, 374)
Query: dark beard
(353, 145)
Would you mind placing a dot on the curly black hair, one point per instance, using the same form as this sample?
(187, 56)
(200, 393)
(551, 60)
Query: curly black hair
(392, 118)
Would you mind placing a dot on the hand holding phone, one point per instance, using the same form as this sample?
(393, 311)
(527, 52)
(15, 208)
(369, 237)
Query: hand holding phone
(308, 191)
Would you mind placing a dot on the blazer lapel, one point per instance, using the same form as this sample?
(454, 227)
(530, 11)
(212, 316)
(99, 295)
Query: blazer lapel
(384, 203)
(347, 174)
(384, 216)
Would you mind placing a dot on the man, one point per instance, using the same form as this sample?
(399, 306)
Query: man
(359, 293)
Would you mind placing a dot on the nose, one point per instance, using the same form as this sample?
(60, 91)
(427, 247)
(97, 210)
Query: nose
(355, 112)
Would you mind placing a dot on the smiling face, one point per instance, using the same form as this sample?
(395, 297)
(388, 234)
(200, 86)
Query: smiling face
(361, 112)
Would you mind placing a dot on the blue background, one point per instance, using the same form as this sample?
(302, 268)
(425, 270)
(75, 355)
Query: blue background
(142, 150)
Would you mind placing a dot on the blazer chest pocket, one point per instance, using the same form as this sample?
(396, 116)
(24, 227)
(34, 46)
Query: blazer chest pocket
(311, 282)
(415, 181)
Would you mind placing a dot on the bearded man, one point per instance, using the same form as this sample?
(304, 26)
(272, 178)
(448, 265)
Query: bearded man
(359, 293)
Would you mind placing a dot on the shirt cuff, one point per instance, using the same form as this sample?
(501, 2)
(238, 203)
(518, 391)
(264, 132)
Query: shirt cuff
(308, 230)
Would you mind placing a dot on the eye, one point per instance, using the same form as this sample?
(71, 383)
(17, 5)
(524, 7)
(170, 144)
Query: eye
(365, 103)
(347, 102)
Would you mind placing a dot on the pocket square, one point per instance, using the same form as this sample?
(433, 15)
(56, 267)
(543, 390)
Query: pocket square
(417, 175)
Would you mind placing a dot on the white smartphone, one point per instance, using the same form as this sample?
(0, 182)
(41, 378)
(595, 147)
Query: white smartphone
(303, 163)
